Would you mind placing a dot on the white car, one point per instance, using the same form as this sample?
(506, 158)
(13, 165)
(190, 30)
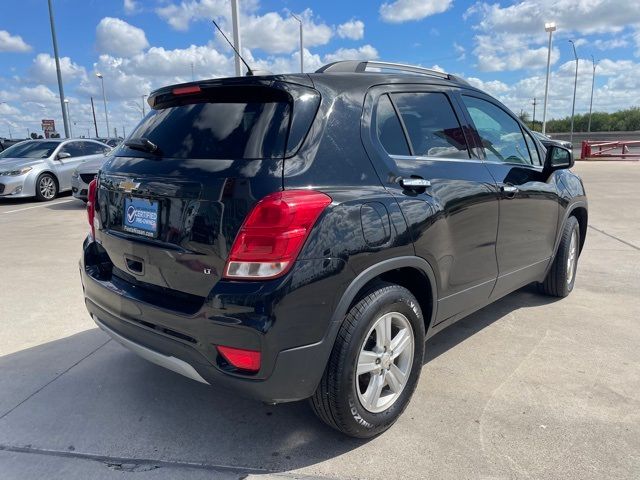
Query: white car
(43, 168)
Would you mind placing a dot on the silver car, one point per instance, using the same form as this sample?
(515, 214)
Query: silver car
(43, 168)
(83, 175)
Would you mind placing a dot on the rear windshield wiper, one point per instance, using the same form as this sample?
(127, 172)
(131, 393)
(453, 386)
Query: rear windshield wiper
(142, 144)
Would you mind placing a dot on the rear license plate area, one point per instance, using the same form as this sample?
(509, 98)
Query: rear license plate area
(141, 216)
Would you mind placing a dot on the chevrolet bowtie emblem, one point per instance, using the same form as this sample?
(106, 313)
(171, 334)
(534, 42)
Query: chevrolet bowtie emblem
(128, 186)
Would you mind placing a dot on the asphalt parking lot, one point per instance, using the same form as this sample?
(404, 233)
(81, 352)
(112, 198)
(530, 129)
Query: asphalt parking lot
(529, 387)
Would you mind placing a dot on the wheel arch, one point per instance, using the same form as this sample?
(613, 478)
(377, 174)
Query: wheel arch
(408, 271)
(582, 215)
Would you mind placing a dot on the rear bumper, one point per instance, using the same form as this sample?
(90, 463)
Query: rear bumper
(79, 189)
(185, 342)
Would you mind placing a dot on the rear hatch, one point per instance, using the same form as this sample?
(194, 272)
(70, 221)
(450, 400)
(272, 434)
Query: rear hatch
(168, 214)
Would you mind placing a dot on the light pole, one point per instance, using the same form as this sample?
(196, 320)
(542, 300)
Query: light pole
(58, 72)
(143, 102)
(548, 27)
(593, 82)
(104, 99)
(301, 43)
(66, 102)
(236, 35)
(575, 87)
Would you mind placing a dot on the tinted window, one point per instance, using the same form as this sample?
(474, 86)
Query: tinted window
(532, 149)
(224, 128)
(91, 148)
(30, 150)
(389, 129)
(501, 136)
(75, 149)
(431, 124)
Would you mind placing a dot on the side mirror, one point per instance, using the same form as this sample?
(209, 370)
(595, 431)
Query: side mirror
(558, 158)
(63, 155)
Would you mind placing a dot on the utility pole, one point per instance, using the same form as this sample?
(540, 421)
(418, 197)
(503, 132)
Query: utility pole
(236, 35)
(143, 102)
(104, 99)
(533, 122)
(593, 82)
(548, 27)
(65, 120)
(301, 43)
(193, 76)
(66, 102)
(95, 124)
(575, 87)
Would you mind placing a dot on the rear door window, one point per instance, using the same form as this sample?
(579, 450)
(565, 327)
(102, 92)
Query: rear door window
(232, 126)
(389, 128)
(431, 124)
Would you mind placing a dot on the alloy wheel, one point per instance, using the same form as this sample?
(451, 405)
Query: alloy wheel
(384, 362)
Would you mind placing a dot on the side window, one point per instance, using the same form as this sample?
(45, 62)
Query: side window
(502, 138)
(75, 149)
(532, 149)
(91, 148)
(432, 125)
(389, 129)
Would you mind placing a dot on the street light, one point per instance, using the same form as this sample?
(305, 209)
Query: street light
(301, 43)
(104, 99)
(575, 86)
(66, 102)
(548, 27)
(143, 102)
(593, 82)
(58, 71)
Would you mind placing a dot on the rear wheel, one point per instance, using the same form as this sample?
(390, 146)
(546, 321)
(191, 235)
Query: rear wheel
(375, 364)
(46, 187)
(562, 275)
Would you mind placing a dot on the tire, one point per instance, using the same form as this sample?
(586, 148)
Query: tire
(340, 399)
(562, 275)
(46, 187)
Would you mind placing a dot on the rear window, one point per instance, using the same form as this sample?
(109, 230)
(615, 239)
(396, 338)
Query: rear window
(235, 125)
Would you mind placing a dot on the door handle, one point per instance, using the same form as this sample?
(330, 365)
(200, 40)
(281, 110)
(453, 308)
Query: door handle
(510, 190)
(414, 183)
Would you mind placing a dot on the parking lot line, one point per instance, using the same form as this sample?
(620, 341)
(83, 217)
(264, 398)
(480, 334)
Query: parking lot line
(39, 206)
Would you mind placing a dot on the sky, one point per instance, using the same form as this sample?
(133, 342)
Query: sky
(139, 45)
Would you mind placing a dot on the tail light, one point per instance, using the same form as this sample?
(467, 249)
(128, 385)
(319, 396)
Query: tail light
(91, 205)
(248, 360)
(273, 234)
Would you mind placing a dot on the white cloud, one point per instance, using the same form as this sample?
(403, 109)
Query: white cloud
(353, 30)
(601, 44)
(585, 16)
(43, 69)
(39, 93)
(461, 52)
(273, 33)
(181, 15)
(12, 43)
(506, 51)
(131, 7)
(406, 10)
(118, 37)
(365, 52)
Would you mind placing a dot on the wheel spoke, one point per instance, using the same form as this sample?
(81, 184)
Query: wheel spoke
(395, 378)
(383, 333)
(366, 362)
(374, 390)
(400, 342)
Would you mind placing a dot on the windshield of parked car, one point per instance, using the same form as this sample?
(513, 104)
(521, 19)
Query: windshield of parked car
(30, 150)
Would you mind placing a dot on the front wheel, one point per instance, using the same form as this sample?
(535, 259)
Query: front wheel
(375, 364)
(562, 274)
(46, 187)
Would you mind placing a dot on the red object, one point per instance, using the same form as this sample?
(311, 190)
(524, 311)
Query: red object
(273, 234)
(186, 90)
(614, 149)
(91, 205)
(248, 360)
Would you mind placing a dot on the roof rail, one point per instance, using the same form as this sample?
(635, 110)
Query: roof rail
(358, 66)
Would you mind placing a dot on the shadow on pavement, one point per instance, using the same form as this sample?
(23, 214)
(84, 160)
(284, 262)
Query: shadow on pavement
(114, 404)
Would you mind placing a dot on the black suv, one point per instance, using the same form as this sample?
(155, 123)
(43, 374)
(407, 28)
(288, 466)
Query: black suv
(300, 236)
